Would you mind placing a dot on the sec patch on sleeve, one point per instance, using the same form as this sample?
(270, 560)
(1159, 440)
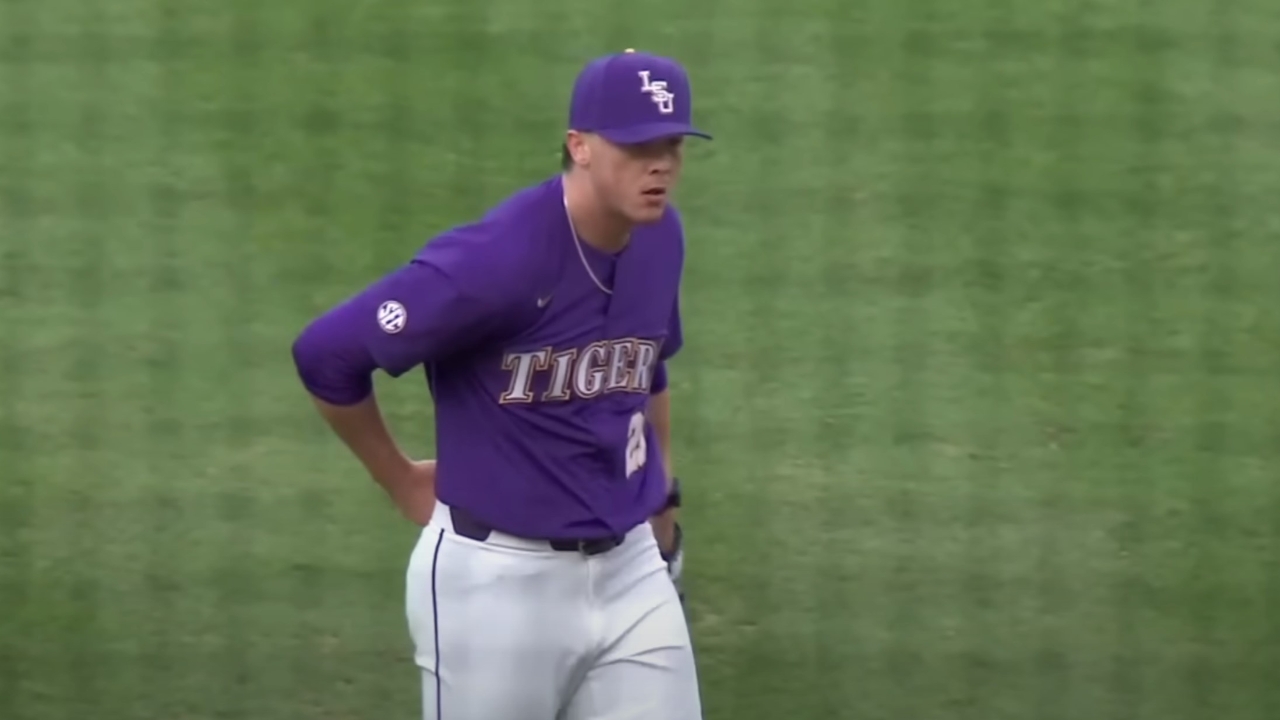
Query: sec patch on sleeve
(392, 317)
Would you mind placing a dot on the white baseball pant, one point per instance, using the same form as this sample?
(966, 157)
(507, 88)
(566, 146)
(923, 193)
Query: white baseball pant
(510, 629)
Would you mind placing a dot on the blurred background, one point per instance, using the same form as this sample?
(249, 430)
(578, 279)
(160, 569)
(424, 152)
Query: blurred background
(978, 415)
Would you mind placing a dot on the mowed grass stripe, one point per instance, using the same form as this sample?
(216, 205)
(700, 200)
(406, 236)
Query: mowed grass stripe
(993, 568)
(85, 435)
(919, 357)
(18, 494)
(155, 308)
(1147, 109)
(251, 651)
(844, 367)
(795, 471)
(1267, 537)
(1055, 667)
(753, 418)
(1218, 643)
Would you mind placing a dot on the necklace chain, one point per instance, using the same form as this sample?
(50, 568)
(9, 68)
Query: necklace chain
(581, 254)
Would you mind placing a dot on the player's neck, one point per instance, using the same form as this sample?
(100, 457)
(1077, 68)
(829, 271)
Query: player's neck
(594, 223)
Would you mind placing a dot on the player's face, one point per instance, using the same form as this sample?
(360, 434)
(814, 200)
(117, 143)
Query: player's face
(637, 180)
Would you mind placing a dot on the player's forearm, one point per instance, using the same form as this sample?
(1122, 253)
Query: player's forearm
(659, 412)
(362, 429)
(660, 418)
(337, 370)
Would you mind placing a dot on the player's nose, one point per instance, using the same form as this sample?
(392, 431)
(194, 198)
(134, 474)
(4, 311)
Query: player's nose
(662, 165)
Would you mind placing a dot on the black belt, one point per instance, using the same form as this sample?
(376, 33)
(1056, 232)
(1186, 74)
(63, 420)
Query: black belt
(469, 527)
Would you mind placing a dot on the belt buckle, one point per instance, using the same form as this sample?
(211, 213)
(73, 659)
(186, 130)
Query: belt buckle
(597, 546)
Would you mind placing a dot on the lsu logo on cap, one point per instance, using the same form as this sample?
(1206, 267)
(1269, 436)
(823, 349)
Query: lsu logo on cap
(657, 89)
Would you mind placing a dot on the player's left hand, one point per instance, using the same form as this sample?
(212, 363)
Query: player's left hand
(413, 490)
(670, 537)
(674, 557)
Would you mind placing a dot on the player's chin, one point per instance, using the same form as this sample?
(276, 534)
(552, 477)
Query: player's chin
(650, 209)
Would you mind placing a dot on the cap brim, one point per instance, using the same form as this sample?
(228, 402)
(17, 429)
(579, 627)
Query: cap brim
(649, 133)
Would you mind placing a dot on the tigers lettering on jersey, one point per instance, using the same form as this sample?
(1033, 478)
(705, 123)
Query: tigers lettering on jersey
(610, 366)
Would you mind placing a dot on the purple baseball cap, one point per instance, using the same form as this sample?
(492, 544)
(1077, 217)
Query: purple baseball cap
(633, 98)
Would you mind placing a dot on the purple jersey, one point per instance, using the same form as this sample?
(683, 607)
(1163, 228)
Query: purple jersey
(540, 378)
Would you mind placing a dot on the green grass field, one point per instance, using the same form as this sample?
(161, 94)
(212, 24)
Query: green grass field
(978, 416)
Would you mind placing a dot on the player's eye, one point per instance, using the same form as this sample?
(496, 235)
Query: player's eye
(659, 148)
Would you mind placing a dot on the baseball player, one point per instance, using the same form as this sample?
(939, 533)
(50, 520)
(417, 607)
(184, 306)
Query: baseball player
(541, 586)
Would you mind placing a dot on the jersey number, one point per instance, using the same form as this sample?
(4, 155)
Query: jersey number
(637, 450)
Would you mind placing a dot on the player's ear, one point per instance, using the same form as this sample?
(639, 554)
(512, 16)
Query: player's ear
(577, 147)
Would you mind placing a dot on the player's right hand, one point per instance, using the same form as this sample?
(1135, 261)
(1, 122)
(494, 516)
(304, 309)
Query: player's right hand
(413, 490)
